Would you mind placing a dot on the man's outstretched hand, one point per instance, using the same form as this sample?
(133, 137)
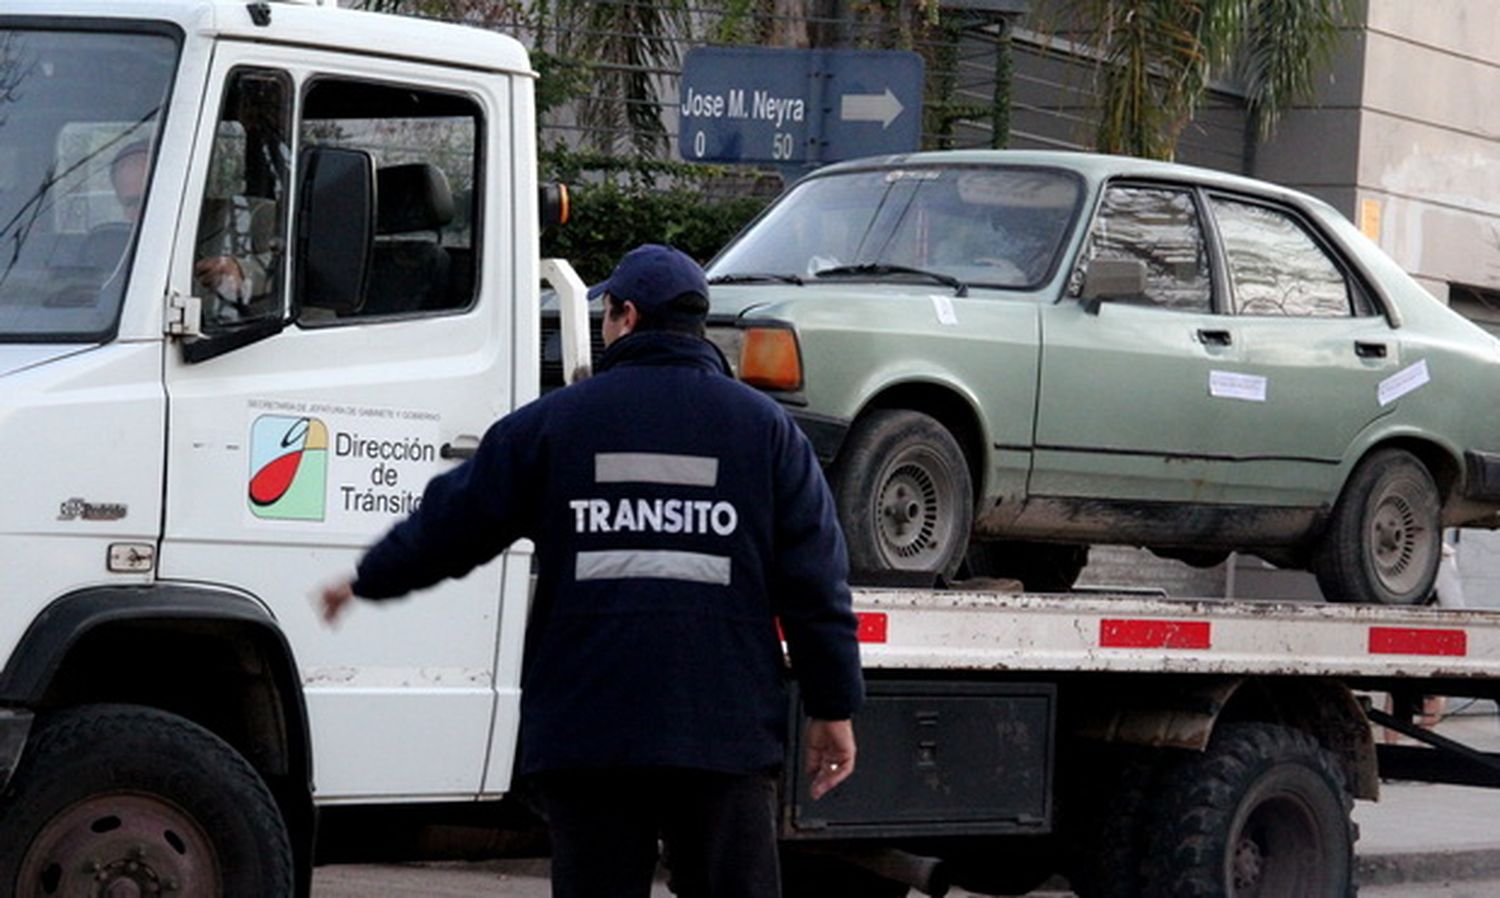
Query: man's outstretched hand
(335, 600)
(830, 754)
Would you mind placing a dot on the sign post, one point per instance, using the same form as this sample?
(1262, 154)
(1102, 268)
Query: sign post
(798, 108)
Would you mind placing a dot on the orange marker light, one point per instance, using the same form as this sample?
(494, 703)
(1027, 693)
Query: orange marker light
(770, 360)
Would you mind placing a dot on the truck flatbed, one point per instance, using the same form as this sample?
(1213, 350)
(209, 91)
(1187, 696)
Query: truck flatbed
(913, 629)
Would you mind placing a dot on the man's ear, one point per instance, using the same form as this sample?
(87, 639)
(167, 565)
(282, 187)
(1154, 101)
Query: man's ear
(629, 318)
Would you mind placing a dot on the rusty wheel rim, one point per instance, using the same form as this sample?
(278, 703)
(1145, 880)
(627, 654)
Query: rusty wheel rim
(913, 510)
(120, 845)
(1400, 538)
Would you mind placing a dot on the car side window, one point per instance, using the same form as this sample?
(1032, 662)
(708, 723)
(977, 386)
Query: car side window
(239, 255)
(425, 145)
(1158, 226)
(1276, 267)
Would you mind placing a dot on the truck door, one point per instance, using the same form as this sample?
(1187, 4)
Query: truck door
(298, 434)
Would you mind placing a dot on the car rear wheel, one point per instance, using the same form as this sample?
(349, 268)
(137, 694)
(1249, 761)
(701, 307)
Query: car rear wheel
(904, 497)
(1384, 539)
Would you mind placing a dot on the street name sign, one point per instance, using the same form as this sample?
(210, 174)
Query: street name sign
(798, 107)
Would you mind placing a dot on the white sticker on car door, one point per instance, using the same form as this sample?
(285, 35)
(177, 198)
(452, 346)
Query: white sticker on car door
(1402, 382)
(1230, 385)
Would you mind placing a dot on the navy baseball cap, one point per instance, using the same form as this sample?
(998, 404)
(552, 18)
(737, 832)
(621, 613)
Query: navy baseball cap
(652, 275)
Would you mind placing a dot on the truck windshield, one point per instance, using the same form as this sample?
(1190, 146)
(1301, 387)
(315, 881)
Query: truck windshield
(984, 226)
(79, 116)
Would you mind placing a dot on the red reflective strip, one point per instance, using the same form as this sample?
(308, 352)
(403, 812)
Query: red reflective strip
(872, 626)
(1154, 634)
(1415, 641)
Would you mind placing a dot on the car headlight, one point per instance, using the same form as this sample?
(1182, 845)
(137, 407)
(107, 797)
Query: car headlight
(762, 356)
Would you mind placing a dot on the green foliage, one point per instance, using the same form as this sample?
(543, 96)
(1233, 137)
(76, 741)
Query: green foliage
(608, 220)
(1156, 58)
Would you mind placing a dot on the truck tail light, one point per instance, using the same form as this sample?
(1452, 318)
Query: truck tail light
(769, 359)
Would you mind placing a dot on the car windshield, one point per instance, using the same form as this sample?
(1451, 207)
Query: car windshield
(982, 226)
(79, 113)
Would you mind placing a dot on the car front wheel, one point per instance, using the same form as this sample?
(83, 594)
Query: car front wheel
(904, 497)
(1384, 540)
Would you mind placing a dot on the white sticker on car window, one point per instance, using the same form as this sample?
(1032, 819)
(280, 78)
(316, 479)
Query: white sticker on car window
(943, 305)
(1229, 385)
(1402, 382)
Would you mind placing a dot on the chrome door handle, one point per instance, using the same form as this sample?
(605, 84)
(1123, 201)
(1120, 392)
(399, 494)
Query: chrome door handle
(461, 447)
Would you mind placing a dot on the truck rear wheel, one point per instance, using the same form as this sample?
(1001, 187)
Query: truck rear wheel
(127, 800)
(904, 494)
(1262, 813)
(1109, 824)
(1384, 540)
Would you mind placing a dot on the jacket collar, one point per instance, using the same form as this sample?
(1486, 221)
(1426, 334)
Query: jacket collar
(663, 348)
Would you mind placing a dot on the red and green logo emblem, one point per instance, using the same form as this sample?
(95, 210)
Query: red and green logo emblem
(288, 468)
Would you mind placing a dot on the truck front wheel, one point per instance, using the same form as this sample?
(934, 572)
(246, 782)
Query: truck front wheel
(121, 799)
(1262, 813)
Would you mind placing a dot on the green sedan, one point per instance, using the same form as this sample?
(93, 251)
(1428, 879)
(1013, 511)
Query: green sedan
(1007, 357)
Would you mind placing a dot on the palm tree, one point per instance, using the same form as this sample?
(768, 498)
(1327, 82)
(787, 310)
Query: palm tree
(1155, 59)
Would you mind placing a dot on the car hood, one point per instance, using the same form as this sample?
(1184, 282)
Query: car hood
(750, 300)
(20, 356)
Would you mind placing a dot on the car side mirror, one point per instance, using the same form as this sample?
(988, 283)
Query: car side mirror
(335, 228)
(1111, 279)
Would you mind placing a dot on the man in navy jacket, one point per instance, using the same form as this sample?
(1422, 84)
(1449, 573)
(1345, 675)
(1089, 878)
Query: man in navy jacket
(678, 516)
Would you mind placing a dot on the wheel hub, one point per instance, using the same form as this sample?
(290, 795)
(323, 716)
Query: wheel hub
(908, 512)
(1396, 536)
(121, 845)
(1249, 865)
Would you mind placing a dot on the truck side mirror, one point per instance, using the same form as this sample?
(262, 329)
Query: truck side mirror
(553, 204)
(1112, 279)
(335, 228)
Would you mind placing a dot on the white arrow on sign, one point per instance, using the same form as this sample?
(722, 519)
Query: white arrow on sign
(883, 108)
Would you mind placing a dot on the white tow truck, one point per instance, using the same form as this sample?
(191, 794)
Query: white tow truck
(265, 268)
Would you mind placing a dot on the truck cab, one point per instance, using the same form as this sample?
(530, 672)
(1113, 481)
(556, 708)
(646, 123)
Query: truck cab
(267, 268)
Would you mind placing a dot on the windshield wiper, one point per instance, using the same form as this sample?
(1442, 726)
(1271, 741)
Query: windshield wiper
(880, 269)
(755, 279)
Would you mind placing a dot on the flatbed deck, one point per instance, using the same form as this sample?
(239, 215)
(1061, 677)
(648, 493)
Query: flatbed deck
(955, 629)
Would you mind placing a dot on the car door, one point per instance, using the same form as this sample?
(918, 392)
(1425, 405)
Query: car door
(1133, 390)
(1307, 329)
(290, 454)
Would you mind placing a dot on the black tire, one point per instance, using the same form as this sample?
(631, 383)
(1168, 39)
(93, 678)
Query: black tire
(1262, 813)
(1041, 567)
(1109, 826)
(116, 795)
(1384, 539)
(904, 495)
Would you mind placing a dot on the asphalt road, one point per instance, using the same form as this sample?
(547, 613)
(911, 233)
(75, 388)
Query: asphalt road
(528, 879)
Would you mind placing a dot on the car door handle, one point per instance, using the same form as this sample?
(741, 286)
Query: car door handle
(462, 447)
(1370, 350)
(1212, 337)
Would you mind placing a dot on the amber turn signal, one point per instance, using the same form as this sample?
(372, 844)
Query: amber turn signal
(769, 359)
